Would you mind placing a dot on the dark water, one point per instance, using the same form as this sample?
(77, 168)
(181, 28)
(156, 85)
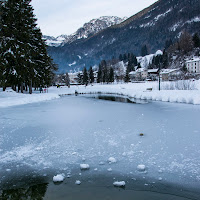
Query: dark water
(117, 98)
(95, 187)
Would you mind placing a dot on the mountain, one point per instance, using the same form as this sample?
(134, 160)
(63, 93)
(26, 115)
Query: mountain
(92, 27)
(54, 41)
(152, 26)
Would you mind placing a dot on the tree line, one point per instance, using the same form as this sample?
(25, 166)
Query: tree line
(24, 62)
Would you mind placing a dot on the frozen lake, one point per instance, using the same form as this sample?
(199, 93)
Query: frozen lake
(38, 141)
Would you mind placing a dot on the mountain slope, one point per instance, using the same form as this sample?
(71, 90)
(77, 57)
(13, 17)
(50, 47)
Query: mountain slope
(92, 27)
(153, 26)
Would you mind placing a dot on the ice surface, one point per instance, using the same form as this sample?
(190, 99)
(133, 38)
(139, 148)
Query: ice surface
(44, 136)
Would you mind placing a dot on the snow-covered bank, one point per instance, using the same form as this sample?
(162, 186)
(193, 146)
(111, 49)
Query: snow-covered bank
(132, 90)
(11, 98)
(136, 90)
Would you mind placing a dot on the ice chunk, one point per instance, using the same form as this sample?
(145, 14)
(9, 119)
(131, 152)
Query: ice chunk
(101, 163)
(141, 168)
(110, 169)
(84, 166)
(119, 183)
(112, 160)
(59, 178)
(78, 182)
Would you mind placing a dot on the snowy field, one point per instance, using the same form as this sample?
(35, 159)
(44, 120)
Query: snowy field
(68, 134)
(188, 92)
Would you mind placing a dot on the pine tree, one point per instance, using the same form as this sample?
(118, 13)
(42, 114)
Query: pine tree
(111, 75)
(120, 57)
(144, 51)
(91, 75)
(184, 68)
(80, 78)
(127, 78)
(196, 40)
(185, 42)
(99, 76)
(138, 66)
(23, 54)
(85, 76)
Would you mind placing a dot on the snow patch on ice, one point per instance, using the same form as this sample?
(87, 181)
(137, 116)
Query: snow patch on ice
(59, 178)
(78, 182)
(84, 166)
(141, 168)
(112, 160)
(119, 183)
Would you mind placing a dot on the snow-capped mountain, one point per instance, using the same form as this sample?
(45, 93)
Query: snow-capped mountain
(54, 41)
(92, 27)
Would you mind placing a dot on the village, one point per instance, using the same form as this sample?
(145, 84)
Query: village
(192, 71)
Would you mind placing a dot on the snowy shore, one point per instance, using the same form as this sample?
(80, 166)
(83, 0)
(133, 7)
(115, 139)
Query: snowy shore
(132, 90)
(11, 98)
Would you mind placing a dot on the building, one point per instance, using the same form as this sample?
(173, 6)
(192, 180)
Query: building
(138, 75)
(73, 77)
(170, 74)
(193, 65)
(153, 74)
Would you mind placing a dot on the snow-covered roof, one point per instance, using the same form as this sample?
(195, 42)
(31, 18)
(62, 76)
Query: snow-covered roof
(141, 70)
(153, 70)
(132, 73)
(168, 71)
(159, 52)
(193, 60)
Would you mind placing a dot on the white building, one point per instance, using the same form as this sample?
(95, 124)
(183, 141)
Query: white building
(193, 66)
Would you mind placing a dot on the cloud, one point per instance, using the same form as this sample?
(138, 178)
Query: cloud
(66, 16)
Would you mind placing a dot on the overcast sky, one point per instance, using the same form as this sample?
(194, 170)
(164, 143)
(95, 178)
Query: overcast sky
(56, 17)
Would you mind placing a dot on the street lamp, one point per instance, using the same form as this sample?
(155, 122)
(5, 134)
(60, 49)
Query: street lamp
(159, 76)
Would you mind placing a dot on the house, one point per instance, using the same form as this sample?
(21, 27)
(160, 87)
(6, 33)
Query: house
(169, 74)
(73, 77)
(138, 75)
(193, 65)
(153, 74)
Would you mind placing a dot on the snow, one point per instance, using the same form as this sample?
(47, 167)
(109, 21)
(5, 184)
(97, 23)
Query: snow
(195, 19)
(112, 160)
(159, 52)
(146, 60)
(72, 63)
(119, 183)
(162, 15)
(195, 59)
(59, 178)
(139, 91)
(78, 182)
(152, 23)
(84, 166)
(109, 169)
(132, 90)
(175, 26)
(11, 98)
(141, 168)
